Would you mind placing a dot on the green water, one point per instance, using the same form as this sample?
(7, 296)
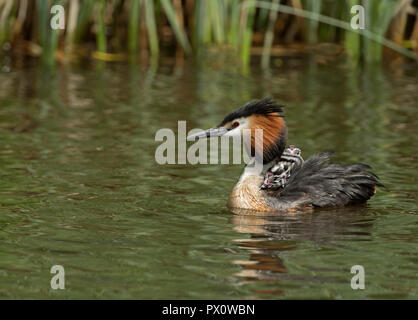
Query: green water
(80, 186)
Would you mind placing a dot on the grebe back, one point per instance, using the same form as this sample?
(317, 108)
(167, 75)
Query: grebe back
(287, 182)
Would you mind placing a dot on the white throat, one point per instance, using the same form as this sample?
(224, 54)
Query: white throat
(255, 170)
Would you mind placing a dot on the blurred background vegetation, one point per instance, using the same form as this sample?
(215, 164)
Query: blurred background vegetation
(141, 30)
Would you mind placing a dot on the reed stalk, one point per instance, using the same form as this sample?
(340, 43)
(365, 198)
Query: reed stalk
(313, 6)
(71, 24)
(133, 26)
(151, 27)
(175, 24)
(101, 27)
(268, 39)
(193, 25)
(4, 17)
(246, 24)
(217, 16)
(233, 25)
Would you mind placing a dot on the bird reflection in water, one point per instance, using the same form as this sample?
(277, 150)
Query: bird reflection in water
(272, 235)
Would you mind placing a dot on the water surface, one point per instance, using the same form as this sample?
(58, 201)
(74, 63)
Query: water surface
(80, 186)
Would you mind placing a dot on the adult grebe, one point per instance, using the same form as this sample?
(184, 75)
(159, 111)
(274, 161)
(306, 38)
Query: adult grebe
(287, 183)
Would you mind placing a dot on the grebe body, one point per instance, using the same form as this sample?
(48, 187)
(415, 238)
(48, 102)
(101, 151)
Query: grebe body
(287, 183)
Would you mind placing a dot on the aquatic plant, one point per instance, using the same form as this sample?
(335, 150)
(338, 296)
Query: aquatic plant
(116, 29)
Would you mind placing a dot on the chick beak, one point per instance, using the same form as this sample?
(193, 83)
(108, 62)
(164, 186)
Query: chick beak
(209, 133)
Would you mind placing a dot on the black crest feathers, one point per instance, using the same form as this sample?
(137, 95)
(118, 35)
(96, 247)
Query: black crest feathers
(264, 106)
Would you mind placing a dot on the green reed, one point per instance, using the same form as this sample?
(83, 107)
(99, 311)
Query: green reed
(133, 26)
(116, 27)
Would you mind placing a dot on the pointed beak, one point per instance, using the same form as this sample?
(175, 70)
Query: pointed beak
(212, 132)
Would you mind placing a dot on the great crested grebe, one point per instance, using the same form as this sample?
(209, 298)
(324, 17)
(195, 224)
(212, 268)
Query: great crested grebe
(287, 183)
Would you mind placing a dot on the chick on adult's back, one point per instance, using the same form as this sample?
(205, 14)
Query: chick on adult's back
(294, 184)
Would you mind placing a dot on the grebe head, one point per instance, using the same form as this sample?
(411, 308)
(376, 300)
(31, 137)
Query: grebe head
(262, 114)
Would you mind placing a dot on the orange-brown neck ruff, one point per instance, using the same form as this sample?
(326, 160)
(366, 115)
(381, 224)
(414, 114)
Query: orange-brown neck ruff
(274, 134)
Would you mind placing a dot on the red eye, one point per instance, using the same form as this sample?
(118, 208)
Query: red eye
(235, 124)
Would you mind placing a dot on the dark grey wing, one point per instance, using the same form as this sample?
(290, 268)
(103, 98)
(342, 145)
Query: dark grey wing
(327, 184)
